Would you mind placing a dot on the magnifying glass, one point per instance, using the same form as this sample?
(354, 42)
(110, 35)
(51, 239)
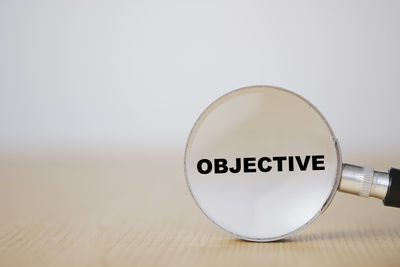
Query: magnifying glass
(262, 163)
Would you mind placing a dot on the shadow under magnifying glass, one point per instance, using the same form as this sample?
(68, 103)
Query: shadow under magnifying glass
(353, 235)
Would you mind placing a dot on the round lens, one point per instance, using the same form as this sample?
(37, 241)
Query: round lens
(262, 163)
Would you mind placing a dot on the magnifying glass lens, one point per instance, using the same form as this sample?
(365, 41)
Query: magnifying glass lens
(262, 163)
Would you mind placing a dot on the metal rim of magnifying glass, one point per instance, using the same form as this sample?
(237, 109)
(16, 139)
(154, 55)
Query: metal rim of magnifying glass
(338, 170)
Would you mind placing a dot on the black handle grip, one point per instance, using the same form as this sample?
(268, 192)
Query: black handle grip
(393, 194)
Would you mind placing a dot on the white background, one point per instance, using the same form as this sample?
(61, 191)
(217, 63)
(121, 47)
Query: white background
(138, 73)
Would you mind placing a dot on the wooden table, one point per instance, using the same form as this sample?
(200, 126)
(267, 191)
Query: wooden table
(133, 209)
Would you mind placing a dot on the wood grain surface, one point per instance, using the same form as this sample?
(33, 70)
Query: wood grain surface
(133, 209)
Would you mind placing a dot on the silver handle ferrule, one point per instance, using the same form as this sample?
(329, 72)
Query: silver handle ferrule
(364, 181)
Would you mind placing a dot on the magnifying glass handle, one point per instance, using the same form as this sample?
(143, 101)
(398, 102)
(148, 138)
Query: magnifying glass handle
(366, 182)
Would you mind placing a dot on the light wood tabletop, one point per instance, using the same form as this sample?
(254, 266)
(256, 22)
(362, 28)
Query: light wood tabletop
(134, 209)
